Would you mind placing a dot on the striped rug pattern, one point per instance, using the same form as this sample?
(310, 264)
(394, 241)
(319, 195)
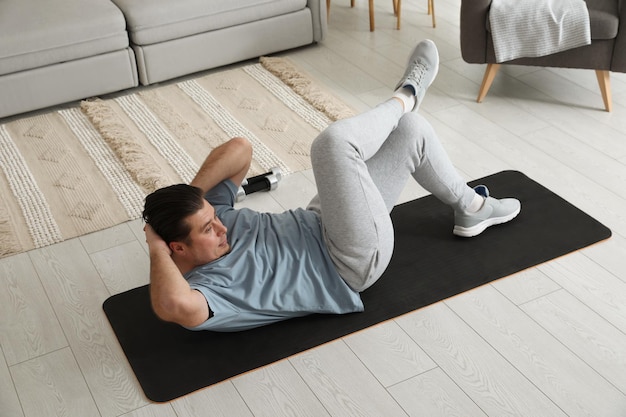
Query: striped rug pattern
(74, 171)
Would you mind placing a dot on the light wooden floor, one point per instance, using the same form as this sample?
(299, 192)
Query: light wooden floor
(549, 341)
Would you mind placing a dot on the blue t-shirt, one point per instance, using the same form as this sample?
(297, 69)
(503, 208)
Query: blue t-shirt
(278, 268)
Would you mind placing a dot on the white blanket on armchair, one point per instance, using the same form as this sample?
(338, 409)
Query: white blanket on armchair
(532, 28)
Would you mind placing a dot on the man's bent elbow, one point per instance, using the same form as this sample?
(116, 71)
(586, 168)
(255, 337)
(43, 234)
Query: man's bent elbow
(179, 312)
(242, 144)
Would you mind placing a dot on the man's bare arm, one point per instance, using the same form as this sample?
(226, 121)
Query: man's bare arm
(230, 160)
(172, 298)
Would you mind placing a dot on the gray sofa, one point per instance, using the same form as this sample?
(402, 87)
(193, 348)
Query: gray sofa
(58, 51)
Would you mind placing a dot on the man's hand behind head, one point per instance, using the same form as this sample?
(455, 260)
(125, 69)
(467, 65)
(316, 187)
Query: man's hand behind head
(155, 242)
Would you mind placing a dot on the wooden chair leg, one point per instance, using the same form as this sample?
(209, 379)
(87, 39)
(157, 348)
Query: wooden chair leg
(371, 15)
(351, 3)
(490, 74)
(604, 81)
(327, 9)
(431, 11)
(398, 11)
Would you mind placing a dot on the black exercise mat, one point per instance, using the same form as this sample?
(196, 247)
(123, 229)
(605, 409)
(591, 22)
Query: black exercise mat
(429, 265)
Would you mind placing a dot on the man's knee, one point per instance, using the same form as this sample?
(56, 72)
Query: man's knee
(415, 123)
(326, 136)
(329, 144)
(417, 129)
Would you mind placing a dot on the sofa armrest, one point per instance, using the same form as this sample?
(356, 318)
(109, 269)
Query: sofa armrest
(618, 63)
(474, 34)
(318, 13)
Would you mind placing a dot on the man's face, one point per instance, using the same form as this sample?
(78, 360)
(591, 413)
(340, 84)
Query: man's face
(207, 236)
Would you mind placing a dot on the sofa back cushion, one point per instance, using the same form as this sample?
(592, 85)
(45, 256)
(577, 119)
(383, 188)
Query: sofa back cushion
(154, 21)
(603, 18)
(38, 33)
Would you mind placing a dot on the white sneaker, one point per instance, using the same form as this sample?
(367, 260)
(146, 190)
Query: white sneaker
(493, 212)
(421, 70)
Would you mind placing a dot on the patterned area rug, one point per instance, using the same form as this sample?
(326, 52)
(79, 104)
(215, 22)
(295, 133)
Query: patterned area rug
(75, 171)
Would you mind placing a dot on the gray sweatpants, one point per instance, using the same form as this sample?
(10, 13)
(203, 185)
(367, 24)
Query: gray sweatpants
(361, 165)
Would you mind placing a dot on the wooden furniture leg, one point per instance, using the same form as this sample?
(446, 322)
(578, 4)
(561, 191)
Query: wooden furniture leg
(397, 7)
(398, 11)
(604, 81)
(490, 73)
(431, 11)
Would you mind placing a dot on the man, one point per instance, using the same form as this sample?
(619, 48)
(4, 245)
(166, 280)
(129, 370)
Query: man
(217, 268)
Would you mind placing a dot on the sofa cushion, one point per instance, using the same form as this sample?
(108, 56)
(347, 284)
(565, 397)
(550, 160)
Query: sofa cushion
(154, 21)
(38, 33)
(603, 19)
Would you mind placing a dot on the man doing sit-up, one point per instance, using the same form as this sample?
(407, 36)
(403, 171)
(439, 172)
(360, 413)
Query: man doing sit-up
(213, 267)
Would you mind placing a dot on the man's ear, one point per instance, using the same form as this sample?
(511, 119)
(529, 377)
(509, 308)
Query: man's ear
(177, 247)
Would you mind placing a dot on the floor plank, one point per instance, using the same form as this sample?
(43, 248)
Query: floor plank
(489, 380)
(584, 332)
(403, 359)
(9, 401)
(547, 363)
(526, 286)
(123, 267)
(53, 385)
(77, 293)
(600, 290)
(343, 384)
(278, 390)
(28, 326)
(153, 410)
(434, 394)
(220, 400)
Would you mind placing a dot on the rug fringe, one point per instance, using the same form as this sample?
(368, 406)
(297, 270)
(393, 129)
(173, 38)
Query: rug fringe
(8, 242)
(305, 87)
(141, 166)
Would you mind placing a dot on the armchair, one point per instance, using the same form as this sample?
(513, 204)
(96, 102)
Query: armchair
(607, 51)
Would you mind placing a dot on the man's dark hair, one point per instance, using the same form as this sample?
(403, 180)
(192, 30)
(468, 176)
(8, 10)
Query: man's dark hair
(167, 208)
